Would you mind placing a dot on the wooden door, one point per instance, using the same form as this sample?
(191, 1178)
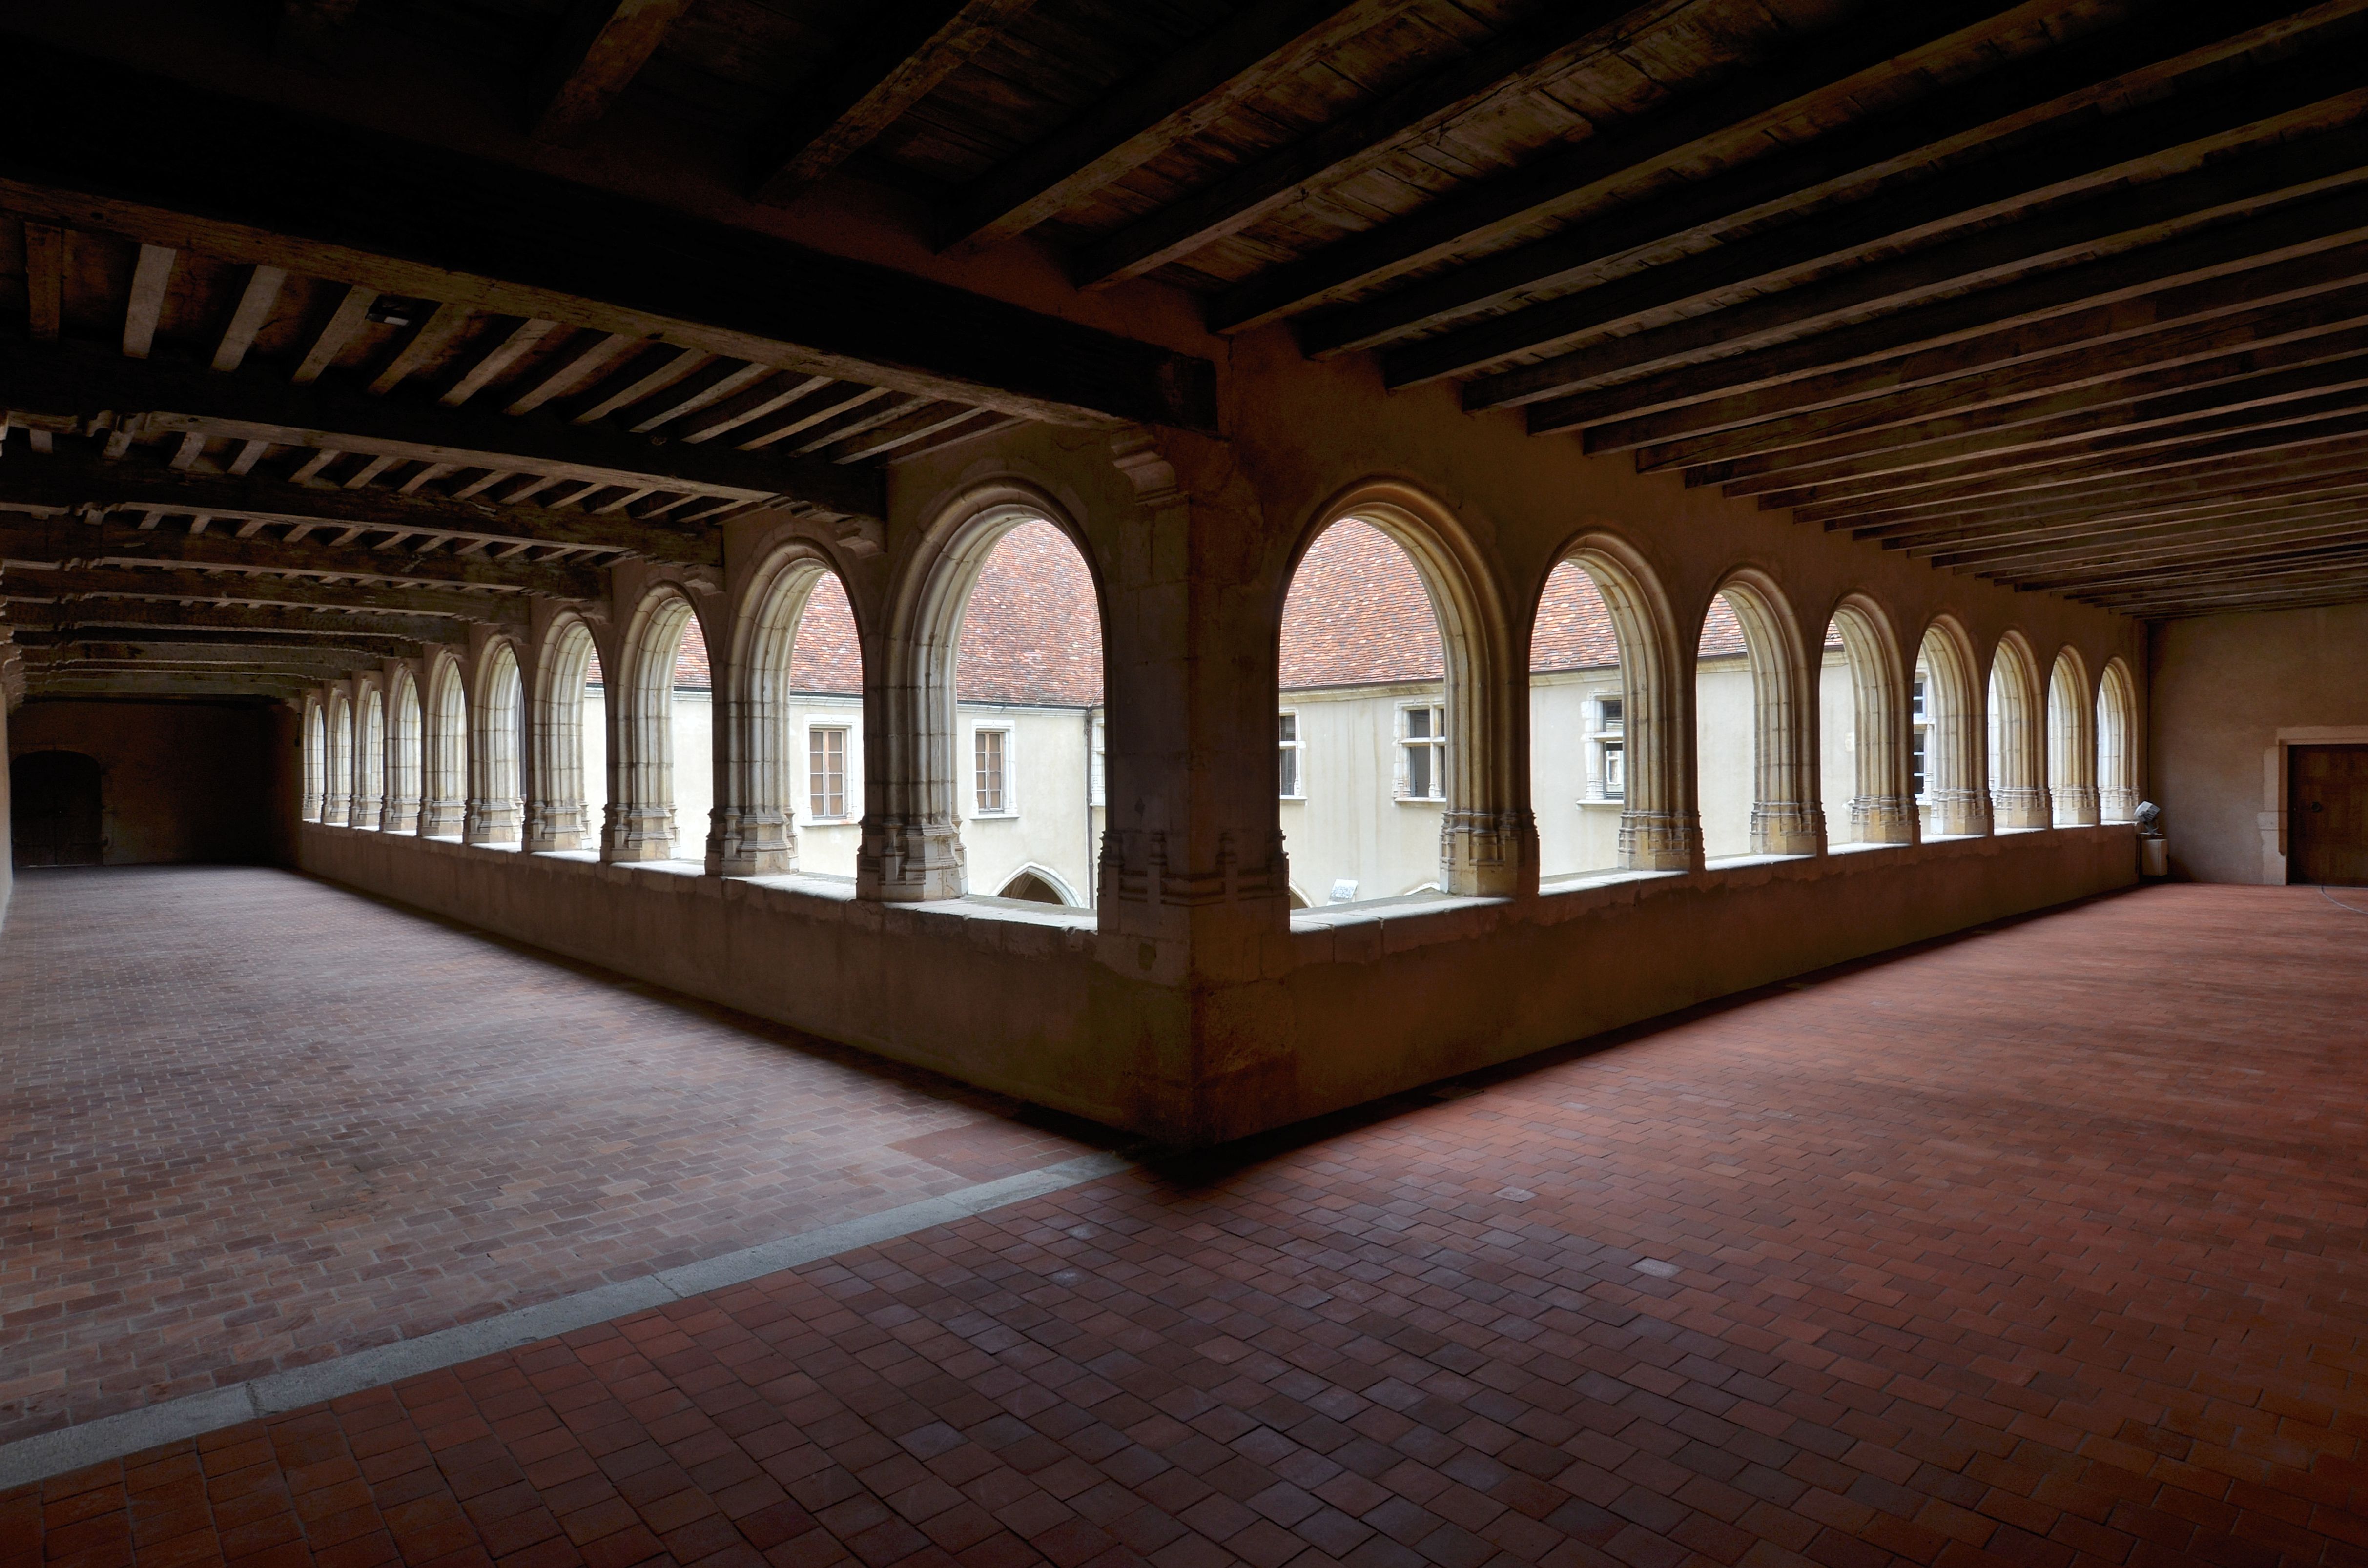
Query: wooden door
(2326, 815)
(54, 805)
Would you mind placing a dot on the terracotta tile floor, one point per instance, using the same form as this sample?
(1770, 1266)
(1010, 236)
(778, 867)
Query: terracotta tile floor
(253, 1121)
(2042, 1247)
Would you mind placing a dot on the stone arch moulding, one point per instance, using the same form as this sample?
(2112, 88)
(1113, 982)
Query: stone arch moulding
(555, 811)
(496, 725)
(2018, 737)
(444, 733)
(911, 849)
(1659, 828)
(1488, 838)
(2118, 752)
(338, 774)
(2071, 741)
(1786, 816)
(641, 819)
(1956, 802)
(755, 834)
(369, 751)
(403, 747)
(1883, 796)
(315, 747)
(1050, 878)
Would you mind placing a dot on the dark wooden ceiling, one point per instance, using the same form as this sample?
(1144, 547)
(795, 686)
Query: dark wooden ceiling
(2070, 295)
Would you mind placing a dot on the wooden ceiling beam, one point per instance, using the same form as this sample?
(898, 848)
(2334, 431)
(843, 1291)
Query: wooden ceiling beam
(2347, 589)
(2140, 566)
(2040, 422)
(71, 483)
(1478, 214)
(1516, 60)
(67, 378)
(309, 651)
(2191, 353)
(63, 684)
(407, 218)
(236, 621)
(2114, 469)
(2306, 248)
(898, 57)
(2205, 483)
(600, 48)
(110, 543)
(2068, 83)
(2126, 216)
(2290, 397)
(255, 305)
(199, 587)
(2079, 540)
(2343, 561)
(1200, 84)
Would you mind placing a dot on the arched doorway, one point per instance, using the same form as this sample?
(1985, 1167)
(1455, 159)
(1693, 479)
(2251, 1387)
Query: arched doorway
(55, 798)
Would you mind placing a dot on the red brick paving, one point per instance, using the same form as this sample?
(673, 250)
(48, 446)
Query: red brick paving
(2041, 1248)
(253, 1121)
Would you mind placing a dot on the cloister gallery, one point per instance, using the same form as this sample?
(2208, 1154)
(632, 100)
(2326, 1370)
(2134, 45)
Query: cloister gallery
(1347, 783)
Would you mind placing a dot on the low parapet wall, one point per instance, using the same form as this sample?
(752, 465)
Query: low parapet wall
(1350, 1008)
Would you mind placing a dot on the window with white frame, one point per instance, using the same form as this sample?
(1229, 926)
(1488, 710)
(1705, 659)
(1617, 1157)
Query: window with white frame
(826, 772)
(1611, 747)
(991, 759)
(1287, 751)
(1921, 725)
(1422, 747)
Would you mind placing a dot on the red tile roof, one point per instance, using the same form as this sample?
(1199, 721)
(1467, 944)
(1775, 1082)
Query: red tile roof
(1031, 632)
(1357, 615)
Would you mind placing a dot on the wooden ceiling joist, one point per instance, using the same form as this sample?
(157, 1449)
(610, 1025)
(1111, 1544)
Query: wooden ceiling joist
(242, 620)
(600, 48)
(66, 378)
(1522, 57)
(2129, 218)
(404, 218)
(189, 586)
(113, 543)
(1179, 96)
(2066, 83)
(896, 57)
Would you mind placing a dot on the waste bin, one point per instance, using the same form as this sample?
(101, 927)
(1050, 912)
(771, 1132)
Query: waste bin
(2154, 856)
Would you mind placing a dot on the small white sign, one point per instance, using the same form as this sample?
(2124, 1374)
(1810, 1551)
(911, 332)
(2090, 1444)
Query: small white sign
(1343, 891)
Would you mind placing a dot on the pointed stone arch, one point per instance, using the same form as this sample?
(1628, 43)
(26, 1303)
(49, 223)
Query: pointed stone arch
(2018, 738)
(369, 755)
(641, 819)
(337, 775)
(912, 847)
(556, 815)
(403, 749)
(1659, 828)
(1786, 817)
(497, 747)
(1487, 833)
(755, 832)
(444, 733)
(2071, 742)
(315, 754)
(1955, 801)
(2118, 773)
(1883, 796)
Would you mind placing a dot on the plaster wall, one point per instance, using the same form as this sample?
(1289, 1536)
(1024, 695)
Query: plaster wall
(2229, 695)
(179, 781)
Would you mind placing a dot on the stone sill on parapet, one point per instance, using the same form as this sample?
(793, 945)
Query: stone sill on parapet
(1322, 934)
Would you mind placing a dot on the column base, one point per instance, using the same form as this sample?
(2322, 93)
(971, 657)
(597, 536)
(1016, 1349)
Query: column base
(1660, 841)
(751, 844)
(1488, 854)
(905, 861)
(1787, 828)
(1883, 819)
